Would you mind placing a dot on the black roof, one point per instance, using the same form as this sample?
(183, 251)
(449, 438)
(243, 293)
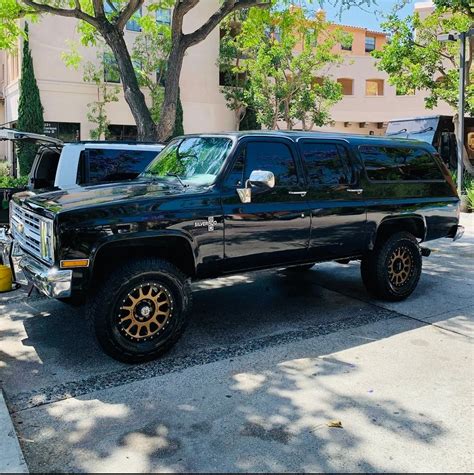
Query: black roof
(294, 135)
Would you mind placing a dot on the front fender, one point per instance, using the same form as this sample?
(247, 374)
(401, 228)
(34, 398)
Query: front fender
(142, 238)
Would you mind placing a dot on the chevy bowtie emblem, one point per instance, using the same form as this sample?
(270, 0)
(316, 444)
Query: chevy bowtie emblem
(210, 223)
(20, 228)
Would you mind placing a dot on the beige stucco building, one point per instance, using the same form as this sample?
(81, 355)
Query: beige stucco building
(369, 101)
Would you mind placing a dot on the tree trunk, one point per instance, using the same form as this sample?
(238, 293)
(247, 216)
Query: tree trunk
(132, 93)
(168, 111)
(465, 156)
(239, 116)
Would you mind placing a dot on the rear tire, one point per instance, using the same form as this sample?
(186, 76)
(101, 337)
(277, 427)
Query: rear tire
(392, 270)
(141, 310)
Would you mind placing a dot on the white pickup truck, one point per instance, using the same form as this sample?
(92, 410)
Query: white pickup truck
(64, 165)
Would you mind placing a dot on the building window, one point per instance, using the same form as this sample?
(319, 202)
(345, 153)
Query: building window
(369, 44)
(122, 132)
(132, 24)
(65, 131)
(111, 72)
(163, 16)
(347, 86)
(374, 87)
(230, 78)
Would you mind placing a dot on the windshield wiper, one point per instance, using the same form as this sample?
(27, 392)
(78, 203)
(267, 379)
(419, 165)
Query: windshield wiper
(422, 131)
(175, 175)
(402, 131)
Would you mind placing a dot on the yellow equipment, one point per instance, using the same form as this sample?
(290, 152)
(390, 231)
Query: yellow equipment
(6, 279)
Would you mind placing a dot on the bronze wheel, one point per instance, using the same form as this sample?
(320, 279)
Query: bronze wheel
(145, 311)
(400, 266)
(392, 270)
(140, 310)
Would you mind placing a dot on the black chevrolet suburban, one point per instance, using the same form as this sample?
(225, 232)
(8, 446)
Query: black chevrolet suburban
(214, 204)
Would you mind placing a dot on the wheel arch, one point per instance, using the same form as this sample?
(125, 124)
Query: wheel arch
(414, 224)
(174, 247)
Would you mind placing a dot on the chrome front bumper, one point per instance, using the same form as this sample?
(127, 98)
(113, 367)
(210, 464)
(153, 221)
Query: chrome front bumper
(5, 246)
(50, 281)
(53, 282)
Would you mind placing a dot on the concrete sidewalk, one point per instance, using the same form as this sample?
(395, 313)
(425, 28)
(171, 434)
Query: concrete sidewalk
(401, 389)
(11, 457)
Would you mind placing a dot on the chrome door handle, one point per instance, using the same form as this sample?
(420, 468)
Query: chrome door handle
(355, 190)
(300, 193)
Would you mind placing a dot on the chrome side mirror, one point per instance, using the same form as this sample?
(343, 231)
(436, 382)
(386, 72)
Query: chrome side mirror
(258, 178)
(262, 178)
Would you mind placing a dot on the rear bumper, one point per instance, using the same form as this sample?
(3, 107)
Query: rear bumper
(456, 232)
(50, 281)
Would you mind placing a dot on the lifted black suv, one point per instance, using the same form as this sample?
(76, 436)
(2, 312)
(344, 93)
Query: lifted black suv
(223, 203)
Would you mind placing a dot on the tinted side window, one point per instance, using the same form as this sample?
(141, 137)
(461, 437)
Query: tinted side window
(326, 163)
(81, 169)
(399, 164)
(274, 157)
(111, 165)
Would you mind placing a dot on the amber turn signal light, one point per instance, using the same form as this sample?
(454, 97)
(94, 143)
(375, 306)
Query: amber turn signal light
(71, 263)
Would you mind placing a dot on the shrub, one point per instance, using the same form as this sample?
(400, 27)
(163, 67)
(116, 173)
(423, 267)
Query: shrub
(4, 168)
(470, 194)
(30, 110)
(10, 182)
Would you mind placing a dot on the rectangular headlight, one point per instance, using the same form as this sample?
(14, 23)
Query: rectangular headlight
(46, 240)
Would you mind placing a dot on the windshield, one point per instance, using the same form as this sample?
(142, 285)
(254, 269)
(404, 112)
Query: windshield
(192, 160)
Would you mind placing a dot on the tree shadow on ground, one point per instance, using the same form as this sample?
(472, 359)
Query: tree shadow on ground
(266, 420)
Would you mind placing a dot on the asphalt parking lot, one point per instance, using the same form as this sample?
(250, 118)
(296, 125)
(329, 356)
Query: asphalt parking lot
(269, 360)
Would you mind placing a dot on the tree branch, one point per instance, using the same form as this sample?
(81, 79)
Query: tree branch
(71, 13)
(443, 55)
(227, 7)
(98, 8)
(111, 5)
(127, 13)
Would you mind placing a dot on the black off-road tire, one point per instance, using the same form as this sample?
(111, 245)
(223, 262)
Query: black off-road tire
(104, 304)
(375, 267)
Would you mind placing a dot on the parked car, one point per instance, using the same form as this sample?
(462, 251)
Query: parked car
(437, 130)
(64, 165)
(218, 204)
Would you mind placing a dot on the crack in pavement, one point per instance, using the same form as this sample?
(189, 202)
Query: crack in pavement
(39, 397)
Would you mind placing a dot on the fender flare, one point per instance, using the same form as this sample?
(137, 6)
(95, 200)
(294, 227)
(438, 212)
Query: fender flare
(120, 240)
(392, 220)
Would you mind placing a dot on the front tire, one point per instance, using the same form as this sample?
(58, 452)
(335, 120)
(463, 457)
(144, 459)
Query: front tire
(141, 310)
(392, 270)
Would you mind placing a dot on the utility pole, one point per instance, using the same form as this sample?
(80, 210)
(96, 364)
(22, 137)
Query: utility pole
(461, 107)
(461, 36)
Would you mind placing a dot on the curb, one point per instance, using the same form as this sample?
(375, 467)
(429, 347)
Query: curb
(11, 459)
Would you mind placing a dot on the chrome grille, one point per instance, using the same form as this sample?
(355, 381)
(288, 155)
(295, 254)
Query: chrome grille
(25, 227)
